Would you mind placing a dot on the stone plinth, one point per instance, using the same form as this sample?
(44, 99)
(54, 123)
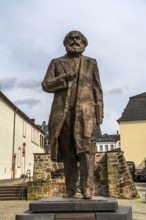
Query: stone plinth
(55, 208)
(77, 204)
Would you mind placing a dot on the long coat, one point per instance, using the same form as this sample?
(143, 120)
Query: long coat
(88, 105)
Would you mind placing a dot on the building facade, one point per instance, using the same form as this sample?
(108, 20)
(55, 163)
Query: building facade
(107, 142)
(133, 130)
(20, 138)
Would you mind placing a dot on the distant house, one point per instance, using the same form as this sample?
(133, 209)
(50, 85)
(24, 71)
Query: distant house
(19, 139)
(107, 142)
(44, 127)
(133, 130)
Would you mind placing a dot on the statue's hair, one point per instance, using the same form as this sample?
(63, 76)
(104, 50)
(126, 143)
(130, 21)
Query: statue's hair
(84, 39)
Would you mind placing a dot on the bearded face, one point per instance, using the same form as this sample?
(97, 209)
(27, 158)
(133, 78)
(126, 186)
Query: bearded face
(74, 43)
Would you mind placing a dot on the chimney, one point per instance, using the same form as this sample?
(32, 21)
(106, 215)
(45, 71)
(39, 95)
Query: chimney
(33, 120)
(44, 123)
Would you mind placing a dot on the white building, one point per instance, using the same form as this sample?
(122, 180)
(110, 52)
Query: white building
(19, 139)
(107, 142)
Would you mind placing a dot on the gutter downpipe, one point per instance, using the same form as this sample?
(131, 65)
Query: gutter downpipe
(13, 146)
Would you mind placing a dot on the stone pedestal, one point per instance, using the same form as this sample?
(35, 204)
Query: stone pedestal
(57, 208)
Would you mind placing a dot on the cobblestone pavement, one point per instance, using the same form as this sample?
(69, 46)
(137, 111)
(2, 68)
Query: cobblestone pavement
(8, 209)
(138, 205)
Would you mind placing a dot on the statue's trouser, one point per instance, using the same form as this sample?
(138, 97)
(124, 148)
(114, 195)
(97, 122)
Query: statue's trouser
(70, 160)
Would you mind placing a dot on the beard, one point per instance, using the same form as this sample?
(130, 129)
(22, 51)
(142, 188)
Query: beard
(75, 48)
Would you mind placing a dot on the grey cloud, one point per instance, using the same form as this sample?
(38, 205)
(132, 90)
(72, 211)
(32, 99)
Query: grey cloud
(8, 83)
(12, 82)
(116, 91)
(29, 84)
(31, 102)
(119, 91)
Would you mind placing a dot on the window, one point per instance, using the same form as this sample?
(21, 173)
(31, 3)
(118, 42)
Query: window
(37, 138)
(34, 136)
(23, 159)
(23, 150)
(31, 134)
(24, 128)
(41, 141)
(112, 147)
(106, 147)
(19, 157)
(101, 148)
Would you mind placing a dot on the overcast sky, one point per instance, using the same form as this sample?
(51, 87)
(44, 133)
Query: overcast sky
(32, 32)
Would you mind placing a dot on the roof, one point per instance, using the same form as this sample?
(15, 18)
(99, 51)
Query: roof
(108, 138)
(135, 109)
(19, 112)
(44, 128)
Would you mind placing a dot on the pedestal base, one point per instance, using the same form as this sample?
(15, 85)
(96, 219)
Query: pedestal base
(57, 208)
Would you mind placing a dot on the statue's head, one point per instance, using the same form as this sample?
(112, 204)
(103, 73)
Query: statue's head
(75, 42)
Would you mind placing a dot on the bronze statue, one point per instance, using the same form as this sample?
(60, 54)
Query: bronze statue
(76, 109)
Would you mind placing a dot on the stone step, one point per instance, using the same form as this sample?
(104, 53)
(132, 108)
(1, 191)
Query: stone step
(13, 192)
(11, 187)
(12, 198)
(6, 194)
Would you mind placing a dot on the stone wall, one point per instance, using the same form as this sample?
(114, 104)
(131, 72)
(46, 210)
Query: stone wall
(120, 182)
(42, 167)
(101, 174)
(41, 186)
(45, 183)
(112, 177)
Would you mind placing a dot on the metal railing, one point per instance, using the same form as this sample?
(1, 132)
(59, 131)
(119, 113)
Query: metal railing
(26, 176)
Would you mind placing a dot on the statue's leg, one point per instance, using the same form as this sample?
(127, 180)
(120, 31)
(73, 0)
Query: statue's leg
(87, 174)
(69, 157)
(71, 177)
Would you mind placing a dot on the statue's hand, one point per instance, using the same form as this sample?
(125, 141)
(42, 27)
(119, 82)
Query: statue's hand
(69, 76)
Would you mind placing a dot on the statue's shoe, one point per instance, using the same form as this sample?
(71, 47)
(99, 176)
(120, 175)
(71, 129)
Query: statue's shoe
(87, 194)
(69, 194)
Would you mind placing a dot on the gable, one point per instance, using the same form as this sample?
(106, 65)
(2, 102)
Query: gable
(135, 109)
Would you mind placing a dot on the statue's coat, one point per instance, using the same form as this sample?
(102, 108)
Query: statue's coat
(88, 106)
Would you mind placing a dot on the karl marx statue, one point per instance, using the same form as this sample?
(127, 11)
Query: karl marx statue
(76, 110)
